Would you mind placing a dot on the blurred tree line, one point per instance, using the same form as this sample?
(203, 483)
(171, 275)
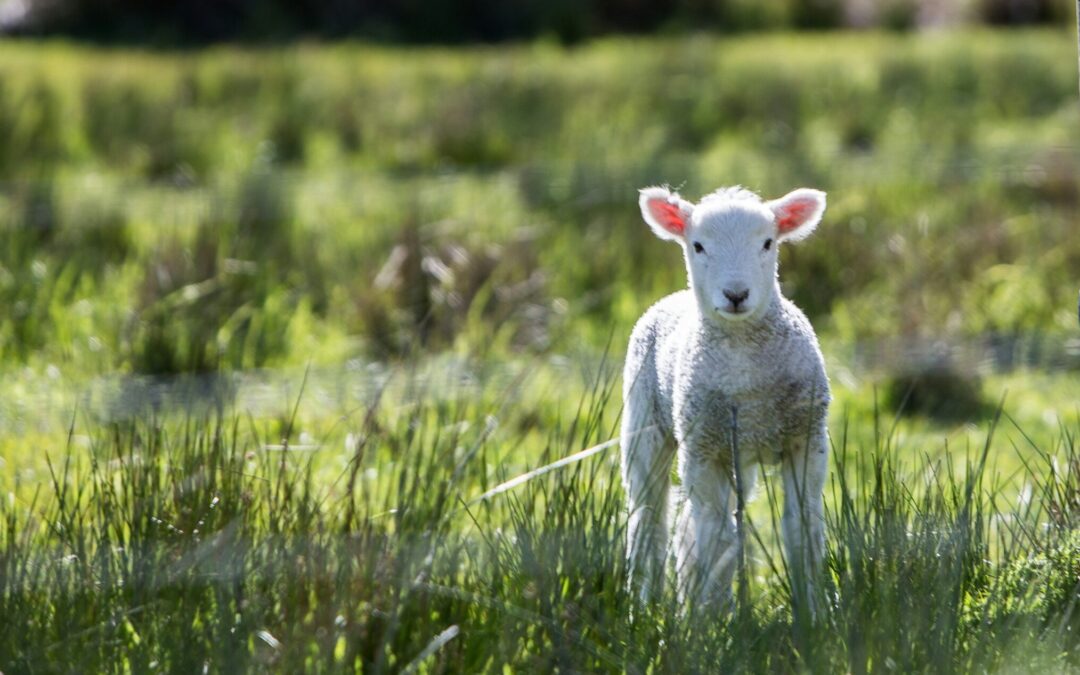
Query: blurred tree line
(179, 22)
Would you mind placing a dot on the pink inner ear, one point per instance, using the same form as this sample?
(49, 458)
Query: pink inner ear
(669, 215)
(794, 214)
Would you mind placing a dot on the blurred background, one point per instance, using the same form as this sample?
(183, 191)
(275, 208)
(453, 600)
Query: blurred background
(207, 187)
(457, 21)
(287, 288)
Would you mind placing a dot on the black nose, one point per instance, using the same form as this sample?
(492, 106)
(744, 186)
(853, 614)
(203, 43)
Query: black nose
(737, 298)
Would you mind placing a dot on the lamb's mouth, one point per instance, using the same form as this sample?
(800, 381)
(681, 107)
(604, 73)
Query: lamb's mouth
(734, 313)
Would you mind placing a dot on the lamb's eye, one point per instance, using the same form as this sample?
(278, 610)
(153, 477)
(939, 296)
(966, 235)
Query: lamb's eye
(768, 244)
(698, 247)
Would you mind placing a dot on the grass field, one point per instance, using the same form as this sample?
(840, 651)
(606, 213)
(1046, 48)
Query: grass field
(276, 318)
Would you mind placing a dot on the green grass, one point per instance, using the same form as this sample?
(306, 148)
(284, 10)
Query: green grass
(192, 544)
(449, 239)
(254, 196)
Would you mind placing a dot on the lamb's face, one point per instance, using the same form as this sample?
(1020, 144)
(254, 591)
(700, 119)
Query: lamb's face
(730, 249)
(730, 241)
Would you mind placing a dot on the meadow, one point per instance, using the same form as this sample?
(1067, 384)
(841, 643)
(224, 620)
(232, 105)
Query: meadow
(277, 319)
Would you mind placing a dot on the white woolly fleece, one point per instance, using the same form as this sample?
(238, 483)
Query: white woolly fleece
(691, 361)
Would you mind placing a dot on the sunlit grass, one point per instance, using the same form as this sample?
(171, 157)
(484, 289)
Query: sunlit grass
(448, 240)
(948, 158)
(207, 542)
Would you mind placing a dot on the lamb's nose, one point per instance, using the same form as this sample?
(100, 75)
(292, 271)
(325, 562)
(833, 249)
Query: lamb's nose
(736, 298)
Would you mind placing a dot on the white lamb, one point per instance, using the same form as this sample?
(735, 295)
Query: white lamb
(730, 341)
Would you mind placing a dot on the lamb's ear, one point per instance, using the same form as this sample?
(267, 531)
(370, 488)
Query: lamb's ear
(798, 213)
(666, 213)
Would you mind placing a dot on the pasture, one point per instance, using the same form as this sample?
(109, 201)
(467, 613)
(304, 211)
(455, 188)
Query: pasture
(275, 319)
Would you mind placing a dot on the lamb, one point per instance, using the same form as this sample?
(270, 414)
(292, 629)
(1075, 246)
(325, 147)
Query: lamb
(730, 345)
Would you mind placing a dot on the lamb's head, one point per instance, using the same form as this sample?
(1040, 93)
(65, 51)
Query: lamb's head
(730, 240)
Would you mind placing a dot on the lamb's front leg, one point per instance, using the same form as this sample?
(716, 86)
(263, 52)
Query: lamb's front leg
(646, 471)
(805, 469)
(706, 545)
